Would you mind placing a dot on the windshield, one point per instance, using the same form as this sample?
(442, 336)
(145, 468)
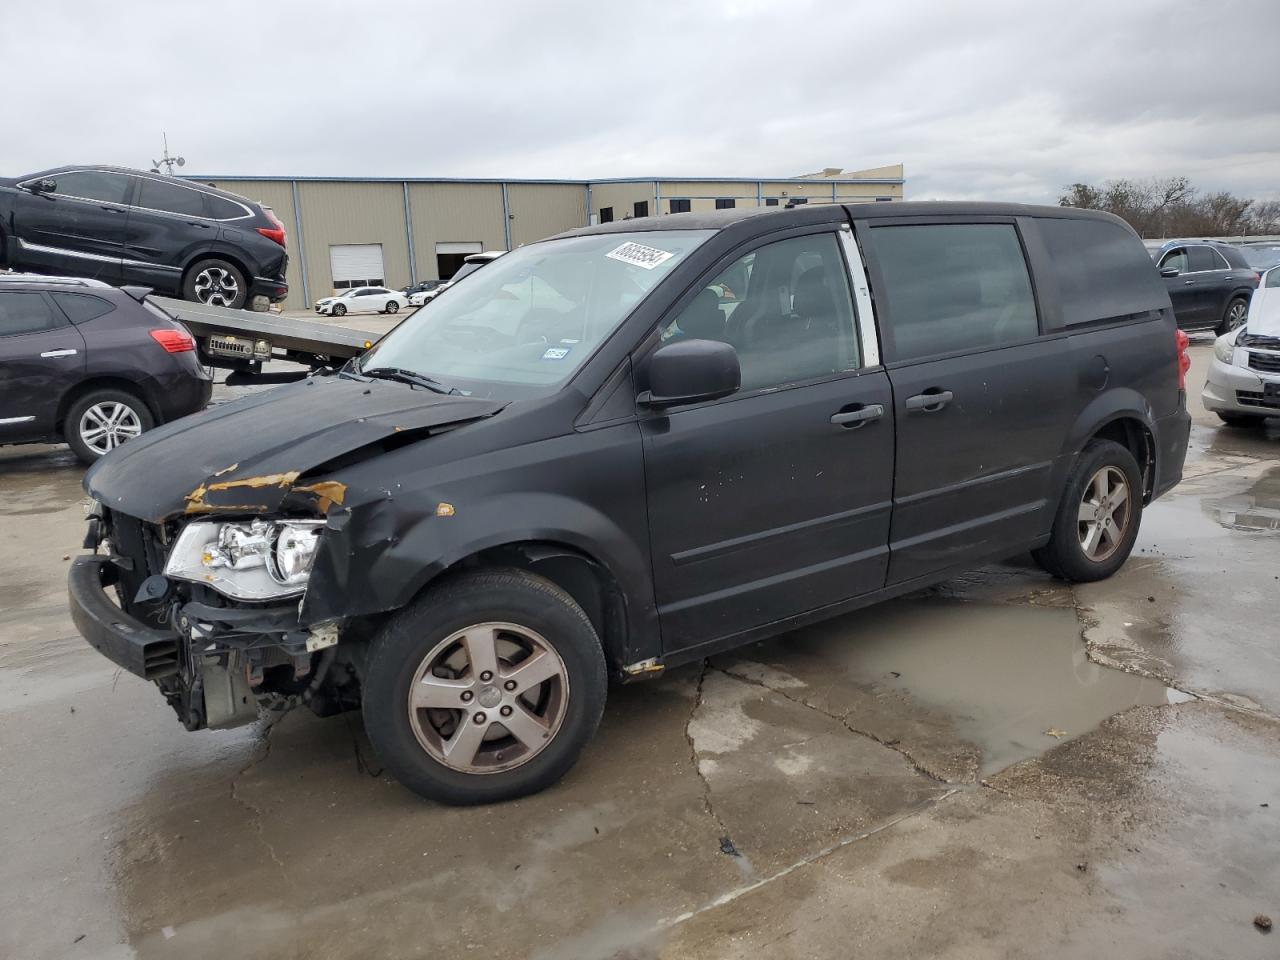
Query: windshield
(528, 320)
(467, 269)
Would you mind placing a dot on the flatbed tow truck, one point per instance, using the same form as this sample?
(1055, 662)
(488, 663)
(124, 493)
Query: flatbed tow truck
(242, 340)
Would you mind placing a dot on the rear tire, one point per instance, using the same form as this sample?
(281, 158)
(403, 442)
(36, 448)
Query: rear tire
(1241, 419)
(1081, 546)
(392, 306)
(101, 420)
(431, 650)
(1235, 315)
(216, 283)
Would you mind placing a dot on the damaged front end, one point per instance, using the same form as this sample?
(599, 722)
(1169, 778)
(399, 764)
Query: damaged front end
(215, 609)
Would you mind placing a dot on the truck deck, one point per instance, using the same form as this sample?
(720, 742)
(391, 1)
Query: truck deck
(244, 339)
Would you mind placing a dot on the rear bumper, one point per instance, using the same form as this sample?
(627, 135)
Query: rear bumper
(1171, 435)
(125, 641)
(273, 290)
(181, 394)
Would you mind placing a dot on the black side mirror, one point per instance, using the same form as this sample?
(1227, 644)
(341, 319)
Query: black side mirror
(1168, 272)
(689, 371)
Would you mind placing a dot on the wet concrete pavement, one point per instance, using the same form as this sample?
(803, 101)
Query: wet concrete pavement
(1002, 766)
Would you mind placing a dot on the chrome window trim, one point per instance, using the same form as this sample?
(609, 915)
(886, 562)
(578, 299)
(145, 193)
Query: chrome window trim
(247, 215)
(98, 257)
(1186, 273)
(864, 315)
(8, 420)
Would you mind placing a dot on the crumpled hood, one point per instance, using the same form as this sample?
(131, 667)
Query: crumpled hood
(1264, 312)
(252, 454)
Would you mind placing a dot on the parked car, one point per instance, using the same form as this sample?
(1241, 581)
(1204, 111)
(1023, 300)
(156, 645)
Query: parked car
(580, 463)
(1209, 283)
(89, 364)
(1260, 256)
(362, 300)
(1243, 386)
(126, 226)
(422, 291)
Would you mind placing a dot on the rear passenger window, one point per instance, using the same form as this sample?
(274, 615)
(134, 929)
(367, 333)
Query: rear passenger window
(171, 198)
(954, 287)
(1205, 258)
(1102, 270)
(25, 313)
(785, 307)
(223, 209)
(80, 307)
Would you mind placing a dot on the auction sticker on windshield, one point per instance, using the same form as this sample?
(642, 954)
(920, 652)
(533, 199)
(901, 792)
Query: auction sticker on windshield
(638, 255)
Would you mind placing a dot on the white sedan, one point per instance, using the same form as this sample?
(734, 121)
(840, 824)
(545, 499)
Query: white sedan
(1243, 386)
(362, 300)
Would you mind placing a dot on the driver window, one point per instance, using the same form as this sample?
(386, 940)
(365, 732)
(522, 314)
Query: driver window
(786, 309)
(1176, 259)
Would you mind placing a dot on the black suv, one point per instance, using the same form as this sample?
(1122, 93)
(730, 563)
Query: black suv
(632, 446)
(90, 364)
(132, 227)
(1209, 283)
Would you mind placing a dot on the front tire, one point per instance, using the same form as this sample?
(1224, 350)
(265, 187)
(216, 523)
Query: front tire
(216, 283)
(1234, 316)
(1097, 519)
(101, 420)
(338, 310)
(447, 674)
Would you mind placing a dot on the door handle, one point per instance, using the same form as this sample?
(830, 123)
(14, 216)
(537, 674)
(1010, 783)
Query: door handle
(54, 354)
(852, 419)
(1188, 282)
(930, 401)
(112, 209)
(193, 223)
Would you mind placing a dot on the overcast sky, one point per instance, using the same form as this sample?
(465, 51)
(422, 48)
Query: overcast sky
(978, 99)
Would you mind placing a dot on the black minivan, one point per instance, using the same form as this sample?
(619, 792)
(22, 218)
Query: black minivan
(631, 446)
(126, 226)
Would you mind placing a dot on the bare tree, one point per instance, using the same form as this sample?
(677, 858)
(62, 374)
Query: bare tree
(1171, 206)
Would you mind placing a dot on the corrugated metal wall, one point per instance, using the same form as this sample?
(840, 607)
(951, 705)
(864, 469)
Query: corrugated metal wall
(352, 212)
(621, 197)
(539, 210)
(451, 212)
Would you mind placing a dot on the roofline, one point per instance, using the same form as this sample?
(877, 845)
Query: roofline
(575, 183)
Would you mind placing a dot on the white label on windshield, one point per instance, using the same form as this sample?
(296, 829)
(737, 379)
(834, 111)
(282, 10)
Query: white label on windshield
(556, 353)
(638, 255)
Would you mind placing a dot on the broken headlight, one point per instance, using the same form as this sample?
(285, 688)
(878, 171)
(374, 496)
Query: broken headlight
(249, 560)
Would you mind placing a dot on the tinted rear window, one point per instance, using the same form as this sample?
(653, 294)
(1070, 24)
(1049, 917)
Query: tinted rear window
(1205, 258)
(221, 208)
(1102, 270)
(80, 307)
(157, 195)
(954, 287)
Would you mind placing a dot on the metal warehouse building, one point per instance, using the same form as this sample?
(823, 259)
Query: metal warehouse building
(347, 232)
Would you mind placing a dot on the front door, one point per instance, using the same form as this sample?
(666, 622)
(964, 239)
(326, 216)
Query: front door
(980, 403)
(41, 356)
(1185, 287)
(168, 226)
(77, 228)
(775, 500)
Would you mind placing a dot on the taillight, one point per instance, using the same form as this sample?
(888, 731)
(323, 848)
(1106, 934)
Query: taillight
(1184, 359)
(275, 232)
(173, 341)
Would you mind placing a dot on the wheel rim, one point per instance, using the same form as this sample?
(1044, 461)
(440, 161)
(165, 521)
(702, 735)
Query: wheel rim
(1236, 314)
(1105, 510)
(488, 698)
(392, 307)
(104, 426)
(339, 310)
(216, 287)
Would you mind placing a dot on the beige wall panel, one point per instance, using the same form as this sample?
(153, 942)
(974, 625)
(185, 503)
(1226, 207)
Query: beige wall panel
(335, 212)
(621, 196)
(539, 210)
(453, 212)
(717, 188)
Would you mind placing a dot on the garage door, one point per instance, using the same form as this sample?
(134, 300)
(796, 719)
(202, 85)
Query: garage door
(356, 265)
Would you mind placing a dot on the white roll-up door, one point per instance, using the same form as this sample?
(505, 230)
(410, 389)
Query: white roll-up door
(356, 262)
(459, 246)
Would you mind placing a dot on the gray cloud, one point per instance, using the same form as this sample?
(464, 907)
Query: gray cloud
(993, 100)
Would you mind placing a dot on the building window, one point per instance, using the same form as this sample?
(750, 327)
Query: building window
(770, 201)
(642, 208)
(883, 199)
(352, 284)
(606, 214)
(680, 206)
(725, 203)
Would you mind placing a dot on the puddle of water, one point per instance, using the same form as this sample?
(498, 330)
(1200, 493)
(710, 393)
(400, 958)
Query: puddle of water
(1256, 509)
(1014, 680)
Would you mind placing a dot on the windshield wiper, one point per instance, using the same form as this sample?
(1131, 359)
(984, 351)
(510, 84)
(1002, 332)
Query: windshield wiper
(408, 376)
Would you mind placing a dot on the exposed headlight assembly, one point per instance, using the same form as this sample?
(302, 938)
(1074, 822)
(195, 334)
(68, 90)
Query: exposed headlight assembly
(1224, 347)
(250, 560)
